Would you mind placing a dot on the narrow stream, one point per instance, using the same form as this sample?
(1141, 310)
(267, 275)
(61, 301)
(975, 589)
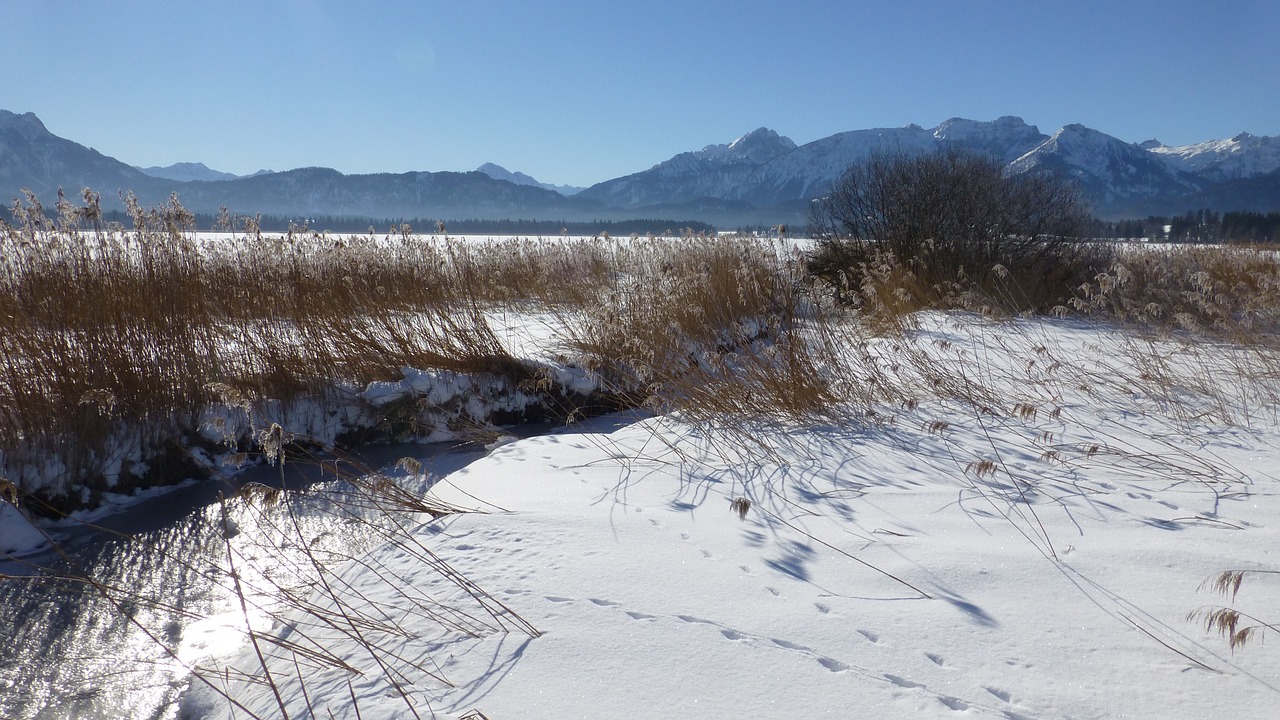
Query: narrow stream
(164, 598)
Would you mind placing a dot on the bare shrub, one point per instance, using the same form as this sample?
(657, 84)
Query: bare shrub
(952, 220)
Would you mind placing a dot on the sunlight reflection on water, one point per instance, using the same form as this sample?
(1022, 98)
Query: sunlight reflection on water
(164, 600)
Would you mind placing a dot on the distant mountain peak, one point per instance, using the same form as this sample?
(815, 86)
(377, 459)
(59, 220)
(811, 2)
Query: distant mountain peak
(1119, 177)
(756, 147)
(497, 172)
(1004, 122)
(759, 136)
(26, 123)
(1242, 156)
(1005, 138)
(188, 172)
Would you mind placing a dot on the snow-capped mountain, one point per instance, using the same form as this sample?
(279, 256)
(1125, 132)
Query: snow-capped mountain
(755, 148)
(497, 172)
(711, 172)
(784, 173)
(809, 170)
(1239, 157)
(1114, 174)
(187, 172)
(1005, 138)
(1120, 178)
(760, 178)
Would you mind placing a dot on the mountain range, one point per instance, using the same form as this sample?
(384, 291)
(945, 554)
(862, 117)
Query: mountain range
(761, 178)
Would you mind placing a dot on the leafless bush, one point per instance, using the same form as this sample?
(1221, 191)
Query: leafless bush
(949, 218)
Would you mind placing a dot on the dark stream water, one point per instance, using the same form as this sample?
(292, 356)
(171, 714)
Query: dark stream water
(163, 599)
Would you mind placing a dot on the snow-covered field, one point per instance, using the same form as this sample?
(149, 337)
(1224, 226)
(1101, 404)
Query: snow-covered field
(934, 560)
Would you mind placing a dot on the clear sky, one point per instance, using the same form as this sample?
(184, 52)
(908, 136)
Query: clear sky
(578, 92)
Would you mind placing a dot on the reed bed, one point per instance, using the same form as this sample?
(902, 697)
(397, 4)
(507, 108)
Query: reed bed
(111, 335)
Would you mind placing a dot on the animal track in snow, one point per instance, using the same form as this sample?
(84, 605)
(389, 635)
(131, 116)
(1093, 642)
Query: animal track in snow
(790, 645)
(935, 659)
(1002, 694)
(954, 703)
(832, 665)
(694, 620)
(558, 599)
(902, 682)
(870, 635)
(738, 636)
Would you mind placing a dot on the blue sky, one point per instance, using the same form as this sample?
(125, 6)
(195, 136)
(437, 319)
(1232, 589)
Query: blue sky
(579, 92)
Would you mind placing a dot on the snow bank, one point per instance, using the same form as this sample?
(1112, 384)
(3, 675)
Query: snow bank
(425, 406)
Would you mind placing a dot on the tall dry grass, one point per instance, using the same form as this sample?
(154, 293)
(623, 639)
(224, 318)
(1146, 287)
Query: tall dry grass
(1227, 291)
(110, 333)
(112, 339)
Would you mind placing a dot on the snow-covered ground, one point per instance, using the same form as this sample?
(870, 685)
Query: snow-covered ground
(1039, 561)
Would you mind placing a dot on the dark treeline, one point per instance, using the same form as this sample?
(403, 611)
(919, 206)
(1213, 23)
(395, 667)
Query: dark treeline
(547, 228)
(1194, 226)
(1197, 226)
(350, 225)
